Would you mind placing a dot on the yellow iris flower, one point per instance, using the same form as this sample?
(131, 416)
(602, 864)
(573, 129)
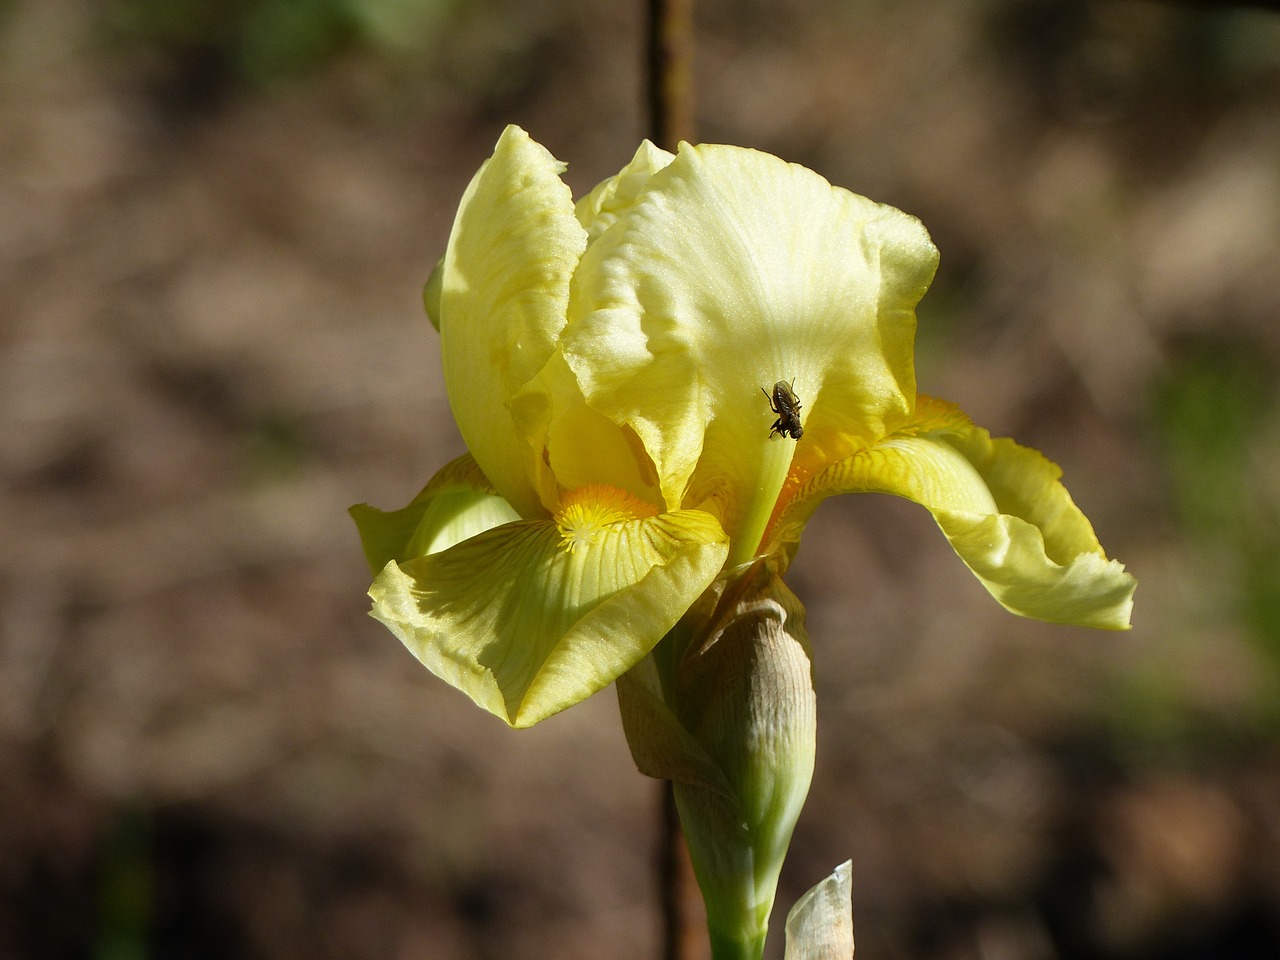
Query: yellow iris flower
(605, 363)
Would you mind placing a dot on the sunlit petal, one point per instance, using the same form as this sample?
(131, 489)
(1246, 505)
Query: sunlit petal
(503, 294)
(611, 198)
(582, 446)
(458, 503)
(527, 626)
(731, 271)
(1001, 505)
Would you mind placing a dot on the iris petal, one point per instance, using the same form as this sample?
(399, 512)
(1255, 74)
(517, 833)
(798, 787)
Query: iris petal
(582, 446)
(611, 198)
(457, 504)
(526, 627)
(1002, 507)
(733, 270)
(503, 294)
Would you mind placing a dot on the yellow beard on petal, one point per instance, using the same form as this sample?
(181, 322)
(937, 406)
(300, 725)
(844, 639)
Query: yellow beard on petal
(586, 512)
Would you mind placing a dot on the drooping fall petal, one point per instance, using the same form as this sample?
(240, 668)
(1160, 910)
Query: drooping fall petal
(458, 503)
(527, 626)
(1003, 508)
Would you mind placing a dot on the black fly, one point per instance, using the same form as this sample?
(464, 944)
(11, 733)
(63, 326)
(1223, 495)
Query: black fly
(786, 405)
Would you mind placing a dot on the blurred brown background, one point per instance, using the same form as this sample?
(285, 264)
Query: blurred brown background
(216, 217)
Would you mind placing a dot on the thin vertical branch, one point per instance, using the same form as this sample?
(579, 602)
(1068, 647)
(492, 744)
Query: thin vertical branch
(669, 93)
(670, 72)
(668, 869)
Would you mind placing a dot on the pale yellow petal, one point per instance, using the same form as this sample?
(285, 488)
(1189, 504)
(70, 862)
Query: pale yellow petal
(457, 504)
(611, 198)
(526, 627)
(733, 270)
(582, 445)
(503, 292)
(1002, 507)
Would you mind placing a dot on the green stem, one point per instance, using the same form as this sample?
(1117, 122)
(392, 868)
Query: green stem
(728, 948)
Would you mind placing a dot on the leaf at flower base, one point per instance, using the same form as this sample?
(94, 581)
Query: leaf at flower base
(745, 692)
(820, 925)
(457, 504)
(503, 294)
(1003, 508)
(733, 270)
(526, 627)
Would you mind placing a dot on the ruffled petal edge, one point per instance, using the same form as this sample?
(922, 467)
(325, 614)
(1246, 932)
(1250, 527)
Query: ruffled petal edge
(1002, 506)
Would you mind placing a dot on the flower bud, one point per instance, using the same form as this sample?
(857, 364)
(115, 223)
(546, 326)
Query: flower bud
(725, 709)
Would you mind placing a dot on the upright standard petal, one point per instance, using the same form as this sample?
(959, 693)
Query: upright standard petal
(731, 271)
(535, 616)
(581, 445)
(611, 198)
(502, 292)
(1002, 507)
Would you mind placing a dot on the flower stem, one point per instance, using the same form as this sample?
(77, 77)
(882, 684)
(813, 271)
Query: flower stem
(727, 948)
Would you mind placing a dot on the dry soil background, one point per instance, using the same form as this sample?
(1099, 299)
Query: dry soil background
(213, 237)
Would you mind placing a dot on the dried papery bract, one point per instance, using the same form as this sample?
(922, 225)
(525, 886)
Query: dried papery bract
(820, 925)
